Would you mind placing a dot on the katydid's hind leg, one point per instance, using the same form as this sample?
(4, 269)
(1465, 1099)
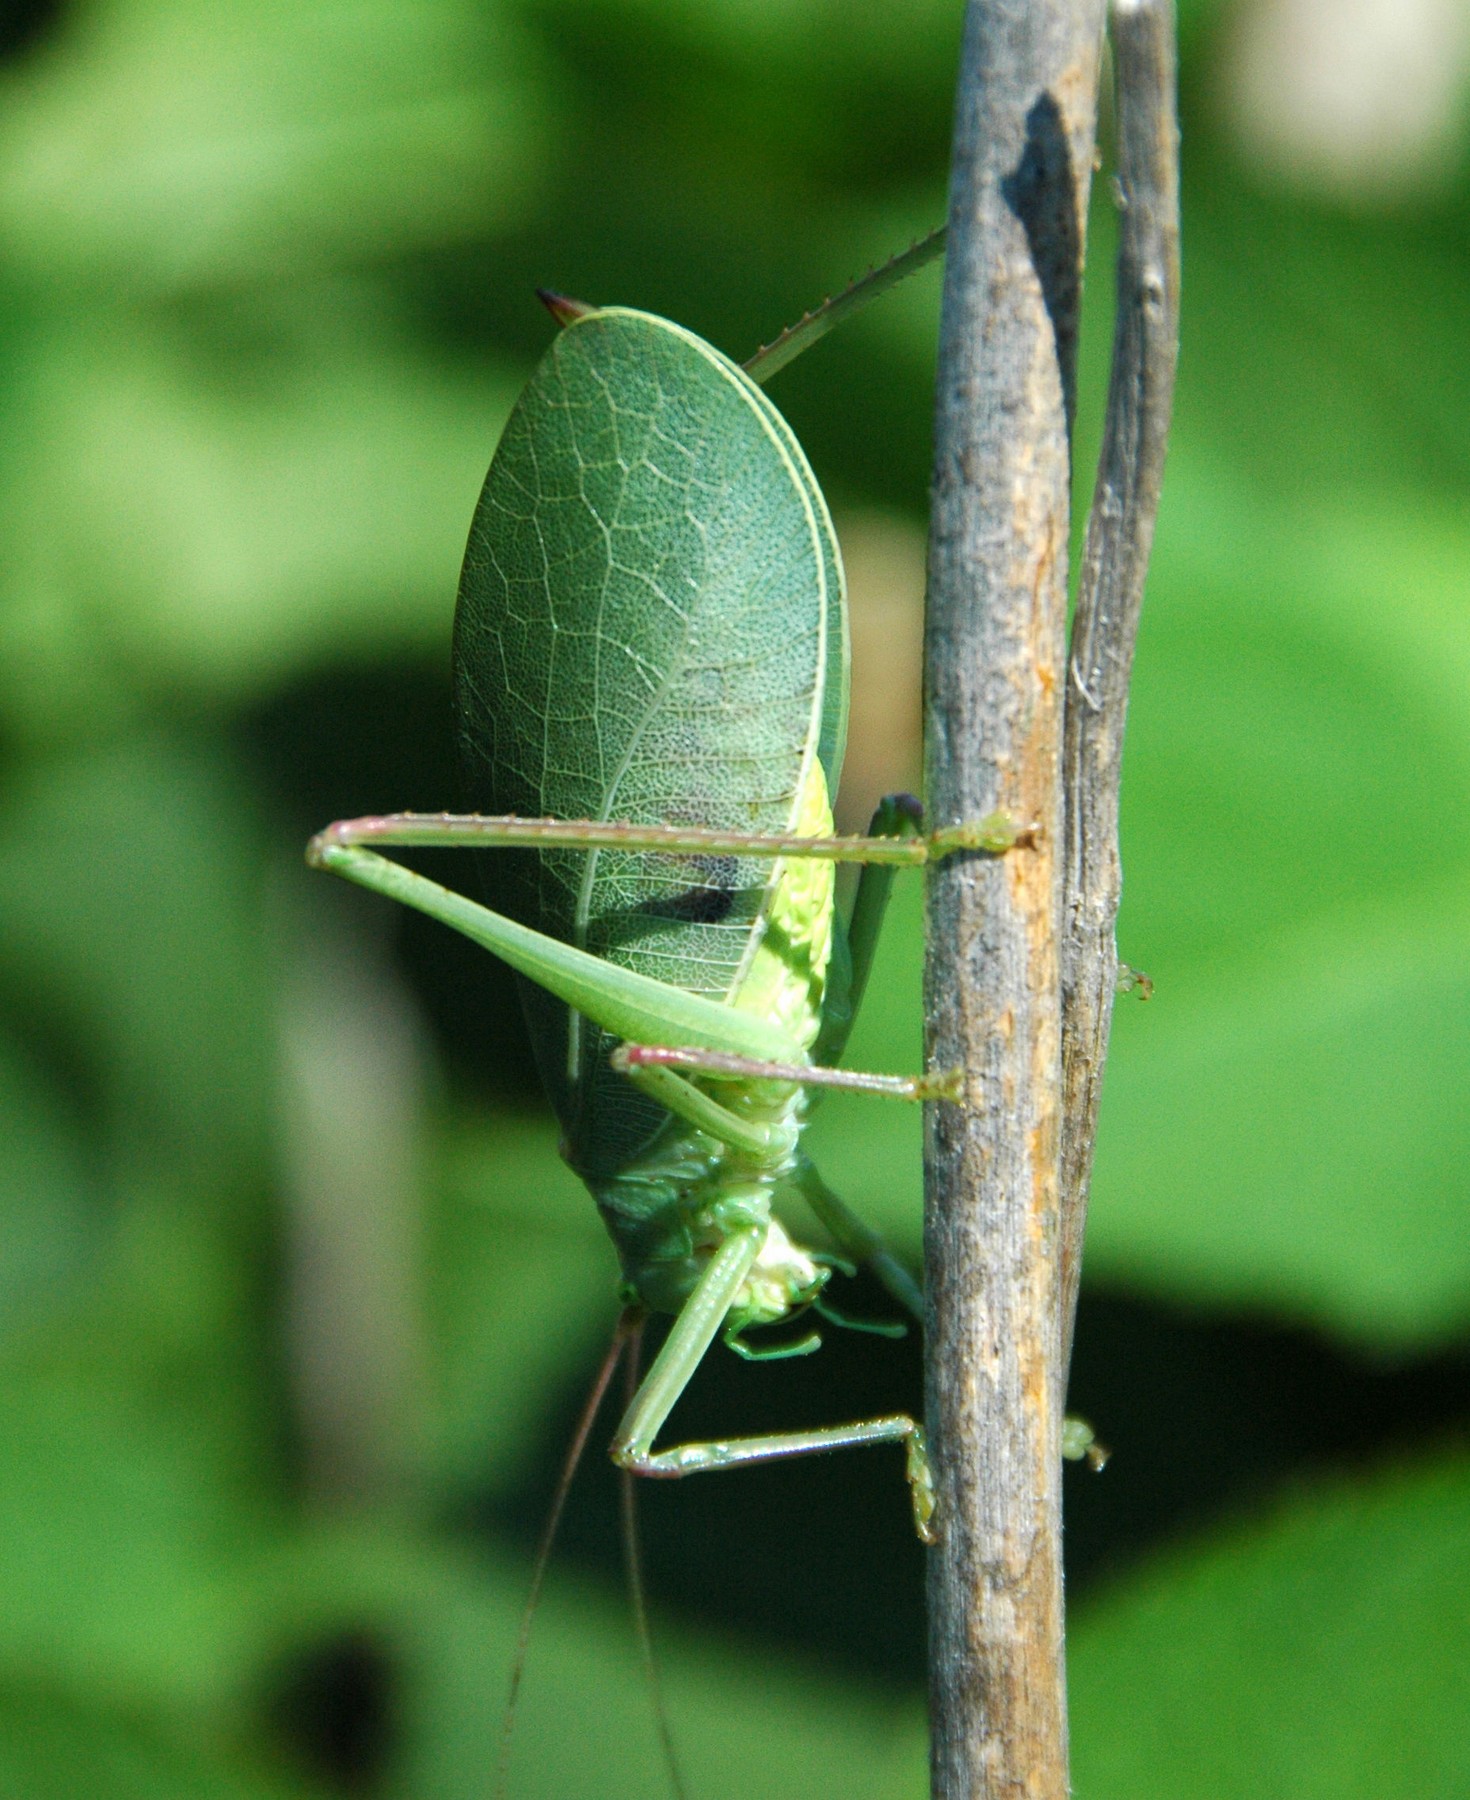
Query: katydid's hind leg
(693, 1332)
(993, 835)
(623, 1002)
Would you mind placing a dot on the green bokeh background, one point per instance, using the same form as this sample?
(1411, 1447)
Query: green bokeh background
(295, 1299)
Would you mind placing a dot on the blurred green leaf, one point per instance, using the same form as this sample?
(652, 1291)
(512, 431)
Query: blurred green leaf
(51, 1749)
(1324, 1651)
(229, 458)
(1284, 1122)
(47, 1197)
(1293, 1140)
(211, 508)
(160, 145)
(522, 1293)
(585, 1725)
(125, 1551)
(1321, 351)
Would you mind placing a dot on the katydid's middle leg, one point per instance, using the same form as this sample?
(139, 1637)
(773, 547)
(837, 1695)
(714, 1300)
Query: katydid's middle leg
(693, 1332)
(856, 1239)
(900, 816)
(899, 819)
(853, 1237)
(719, 1065)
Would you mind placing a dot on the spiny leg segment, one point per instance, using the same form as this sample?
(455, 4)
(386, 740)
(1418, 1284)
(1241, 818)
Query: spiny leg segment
(992, 836)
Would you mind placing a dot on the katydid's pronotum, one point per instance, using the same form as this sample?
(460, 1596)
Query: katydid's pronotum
(651, 679)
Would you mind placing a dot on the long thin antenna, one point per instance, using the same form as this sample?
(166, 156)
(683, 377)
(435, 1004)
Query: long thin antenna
(629, 1326)
(633, 1562)
(820, 320)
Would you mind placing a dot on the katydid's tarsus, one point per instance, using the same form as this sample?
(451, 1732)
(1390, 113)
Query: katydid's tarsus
(651, 679)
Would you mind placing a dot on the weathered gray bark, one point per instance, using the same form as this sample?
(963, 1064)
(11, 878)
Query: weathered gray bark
(995, 668)
(1022, 963)
(1120, 532)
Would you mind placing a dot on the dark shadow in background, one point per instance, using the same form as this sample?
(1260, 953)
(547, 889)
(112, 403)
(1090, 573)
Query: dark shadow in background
(333, 1707)
(27, 24)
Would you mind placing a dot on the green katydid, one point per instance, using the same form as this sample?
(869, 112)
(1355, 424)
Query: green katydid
(650, 654)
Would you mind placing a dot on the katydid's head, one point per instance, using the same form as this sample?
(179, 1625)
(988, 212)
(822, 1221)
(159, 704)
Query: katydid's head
(783, 1281)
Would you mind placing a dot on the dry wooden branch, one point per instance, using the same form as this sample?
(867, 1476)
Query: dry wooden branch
(1120, 530)
(995, 649)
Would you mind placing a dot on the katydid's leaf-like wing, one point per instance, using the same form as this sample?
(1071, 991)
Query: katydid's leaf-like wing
(647, 630)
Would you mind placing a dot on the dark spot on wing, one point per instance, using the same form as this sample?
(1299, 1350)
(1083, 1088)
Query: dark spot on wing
(706, 902)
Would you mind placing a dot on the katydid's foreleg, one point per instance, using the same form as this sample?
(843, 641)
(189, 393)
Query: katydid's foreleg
(623, 1002)
(680, 1030)
(856, 1239)
(693, 1332)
